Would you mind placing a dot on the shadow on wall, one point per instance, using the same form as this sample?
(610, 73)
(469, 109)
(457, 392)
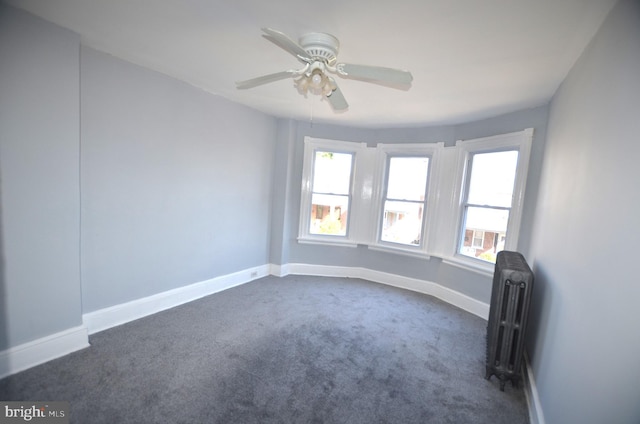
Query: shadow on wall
(542, 325)
(4, 304)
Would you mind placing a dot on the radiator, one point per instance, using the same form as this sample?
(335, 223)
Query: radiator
(510, 299)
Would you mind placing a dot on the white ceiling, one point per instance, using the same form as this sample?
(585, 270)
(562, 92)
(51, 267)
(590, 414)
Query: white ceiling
(470, 59)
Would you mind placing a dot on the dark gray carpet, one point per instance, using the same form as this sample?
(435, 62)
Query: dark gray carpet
(284, 350)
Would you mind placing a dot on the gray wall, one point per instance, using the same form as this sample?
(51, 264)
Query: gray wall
(281, 200)
(176, 183)
(39, 178)
(116, 182)
(585, 338)
(290, 140)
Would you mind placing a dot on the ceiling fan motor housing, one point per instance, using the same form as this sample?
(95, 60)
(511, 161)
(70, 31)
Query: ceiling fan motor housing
(321, 46)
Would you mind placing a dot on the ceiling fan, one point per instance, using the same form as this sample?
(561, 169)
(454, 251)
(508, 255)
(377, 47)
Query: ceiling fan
(318, 52)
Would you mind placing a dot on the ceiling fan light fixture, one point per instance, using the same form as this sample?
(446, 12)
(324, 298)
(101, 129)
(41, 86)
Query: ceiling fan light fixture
(302, 84)
(316, 80)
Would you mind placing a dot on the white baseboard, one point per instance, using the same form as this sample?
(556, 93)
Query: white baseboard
(27, 355)
(453, 297)
(531, 392)
(39, 351)
(106, 318)
(44, 349)
(279, 270)
(120, 314)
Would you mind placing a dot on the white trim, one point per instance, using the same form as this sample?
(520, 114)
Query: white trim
(326, 241)
(44, 349)
(279, 270)
(125, 312)
(536, 415)
(444, 224)
(452, 297)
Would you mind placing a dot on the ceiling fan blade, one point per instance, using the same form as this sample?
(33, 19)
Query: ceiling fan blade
(283, 41)
(336, 99)
(265, 79)
(375, 74)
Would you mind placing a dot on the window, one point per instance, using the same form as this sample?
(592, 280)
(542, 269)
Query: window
(404, 197)
(327, 191)
(404, 200)
(487, 204)
(330, 193)
(492, 177)
(478, 239)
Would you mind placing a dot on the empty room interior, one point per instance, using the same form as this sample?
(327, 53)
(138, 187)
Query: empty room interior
(291, 211)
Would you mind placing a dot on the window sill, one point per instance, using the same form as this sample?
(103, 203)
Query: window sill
(327, 242)
(486, 269)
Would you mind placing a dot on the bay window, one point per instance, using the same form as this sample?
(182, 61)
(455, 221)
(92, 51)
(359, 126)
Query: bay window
(461, 203)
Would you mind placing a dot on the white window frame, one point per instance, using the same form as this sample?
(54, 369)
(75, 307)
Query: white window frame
(520, 141)
(383, 153)
(311, 146)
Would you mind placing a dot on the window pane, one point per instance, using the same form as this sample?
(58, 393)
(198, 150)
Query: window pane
(407, 178)
(332, 172)
(329, 214)
(492, 178)
(402, 222)
(485, 231)
(478, 239)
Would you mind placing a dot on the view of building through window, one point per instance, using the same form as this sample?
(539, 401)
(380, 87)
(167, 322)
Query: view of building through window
(330, 193)
(489, 197)
(404, 200)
